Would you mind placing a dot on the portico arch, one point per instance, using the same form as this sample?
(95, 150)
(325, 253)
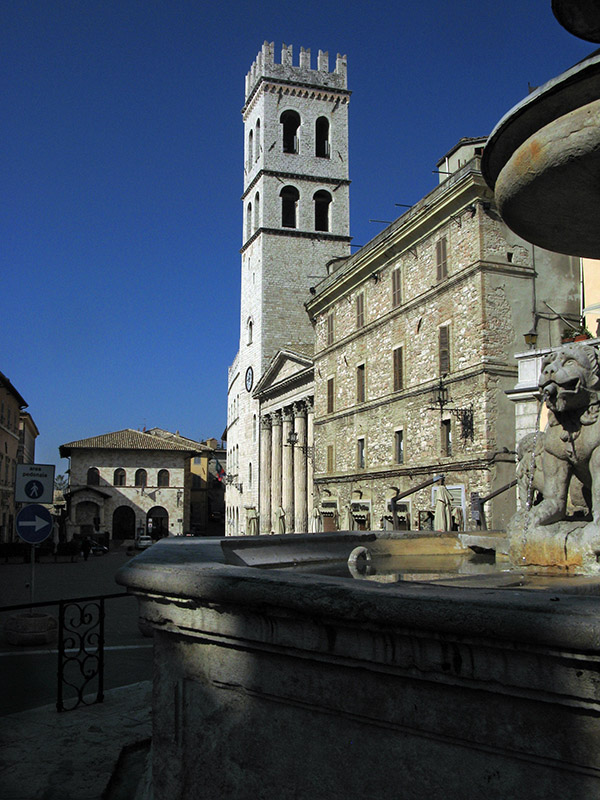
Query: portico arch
(157, 522)
(123, 523)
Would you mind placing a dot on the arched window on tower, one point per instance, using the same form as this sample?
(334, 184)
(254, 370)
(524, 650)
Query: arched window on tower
(250, 149)
(322, 200)
(256, 211)
(93, 477)
(248, 220)
(250, 326)
(322, 148)
(289, 206)
(290, 120)
(257, 138)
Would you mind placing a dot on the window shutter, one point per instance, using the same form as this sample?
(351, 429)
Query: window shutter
(330, 395)
(444, 349)
(398, 376)
(396, 288)
(441, 259)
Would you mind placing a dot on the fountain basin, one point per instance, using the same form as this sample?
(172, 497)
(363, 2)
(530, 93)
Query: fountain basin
(273, 683)
(543, 162)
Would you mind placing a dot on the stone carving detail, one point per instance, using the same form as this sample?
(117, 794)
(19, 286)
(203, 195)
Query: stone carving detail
(566, 455)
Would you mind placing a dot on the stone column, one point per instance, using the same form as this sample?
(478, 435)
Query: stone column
(265, 475)
(275, 467)
(300, 517)
(310, 461)
(287, 470)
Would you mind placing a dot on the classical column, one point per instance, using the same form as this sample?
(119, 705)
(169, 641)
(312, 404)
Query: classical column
(287, 470)
(310, 461)
(265, 475)
(300, 517)
(275, 468)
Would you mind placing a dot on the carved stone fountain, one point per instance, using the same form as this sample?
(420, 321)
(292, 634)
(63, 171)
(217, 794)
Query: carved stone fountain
(543, 157)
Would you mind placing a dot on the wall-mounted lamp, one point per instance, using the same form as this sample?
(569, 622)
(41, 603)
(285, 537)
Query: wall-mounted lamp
(441, 398)
(292, 441)
(531, 338)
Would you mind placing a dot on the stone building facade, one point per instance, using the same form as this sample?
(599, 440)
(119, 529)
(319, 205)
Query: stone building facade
(18, 432)
(415, 341)
(295, 221)
(286, 397)
(129, 483)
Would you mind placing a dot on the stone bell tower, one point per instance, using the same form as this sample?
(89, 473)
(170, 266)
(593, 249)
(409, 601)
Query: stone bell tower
(295, 221)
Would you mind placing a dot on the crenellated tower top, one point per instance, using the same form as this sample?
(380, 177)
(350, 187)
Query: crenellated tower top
(264, 66)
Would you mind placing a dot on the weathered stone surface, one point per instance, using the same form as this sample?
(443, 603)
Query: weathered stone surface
(568, 545)
(567, 451)
(278, 684)
(543, 161)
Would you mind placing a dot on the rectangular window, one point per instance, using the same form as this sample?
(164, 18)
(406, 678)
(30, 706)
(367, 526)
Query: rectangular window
(330, 395)
(397, 367)
(330, 329)
(399, 447)
(444, 343)
(360, 454)
(441, 258)
(360, 310)
(396, 288)
(446, 437)
(330, 460)
(360, 383)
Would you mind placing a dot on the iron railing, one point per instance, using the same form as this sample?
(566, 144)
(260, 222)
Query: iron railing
(80, 647)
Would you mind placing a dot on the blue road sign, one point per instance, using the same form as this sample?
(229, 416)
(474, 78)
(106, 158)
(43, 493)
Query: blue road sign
(34, 524)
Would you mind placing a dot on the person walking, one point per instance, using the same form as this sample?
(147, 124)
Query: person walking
(86, 548)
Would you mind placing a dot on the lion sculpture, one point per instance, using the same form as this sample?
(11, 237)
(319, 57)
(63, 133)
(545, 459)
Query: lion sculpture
(570, 445)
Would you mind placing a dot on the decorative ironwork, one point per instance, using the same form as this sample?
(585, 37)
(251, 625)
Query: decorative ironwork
(443, 402)
(80, 653)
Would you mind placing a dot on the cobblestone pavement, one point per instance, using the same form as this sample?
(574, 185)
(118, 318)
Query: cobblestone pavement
(45, 755)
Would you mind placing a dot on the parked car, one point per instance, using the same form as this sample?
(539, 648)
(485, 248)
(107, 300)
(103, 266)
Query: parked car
(142, 542)
(98, 549)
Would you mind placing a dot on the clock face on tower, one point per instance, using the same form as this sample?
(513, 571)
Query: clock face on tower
(249, 378)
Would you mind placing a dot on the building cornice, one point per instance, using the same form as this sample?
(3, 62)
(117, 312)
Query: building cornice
(296, 234)
(451, 282)
(409, 471)
(293, 88)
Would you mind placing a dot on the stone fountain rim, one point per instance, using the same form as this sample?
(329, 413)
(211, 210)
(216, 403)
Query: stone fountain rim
(190, 576)
(566, 92)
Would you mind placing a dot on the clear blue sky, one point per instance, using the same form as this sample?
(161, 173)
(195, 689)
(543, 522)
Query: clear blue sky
(121, 166)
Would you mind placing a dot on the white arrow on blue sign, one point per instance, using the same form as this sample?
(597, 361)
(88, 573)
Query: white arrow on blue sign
(34, 524)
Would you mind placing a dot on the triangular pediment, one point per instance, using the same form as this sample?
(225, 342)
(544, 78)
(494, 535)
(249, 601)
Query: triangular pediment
(285, 366)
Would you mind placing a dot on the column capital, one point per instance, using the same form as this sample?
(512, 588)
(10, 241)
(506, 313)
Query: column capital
(310, 404)
(265, 422)
(299, 408)
(276, 417)
(288, 413)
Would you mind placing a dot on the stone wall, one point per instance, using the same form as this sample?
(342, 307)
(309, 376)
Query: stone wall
(486, 302)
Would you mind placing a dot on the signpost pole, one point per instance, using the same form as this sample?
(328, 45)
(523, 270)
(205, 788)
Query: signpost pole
(32, 585)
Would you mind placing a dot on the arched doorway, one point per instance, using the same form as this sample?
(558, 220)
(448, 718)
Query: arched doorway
(123, 523)
(157, 522)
